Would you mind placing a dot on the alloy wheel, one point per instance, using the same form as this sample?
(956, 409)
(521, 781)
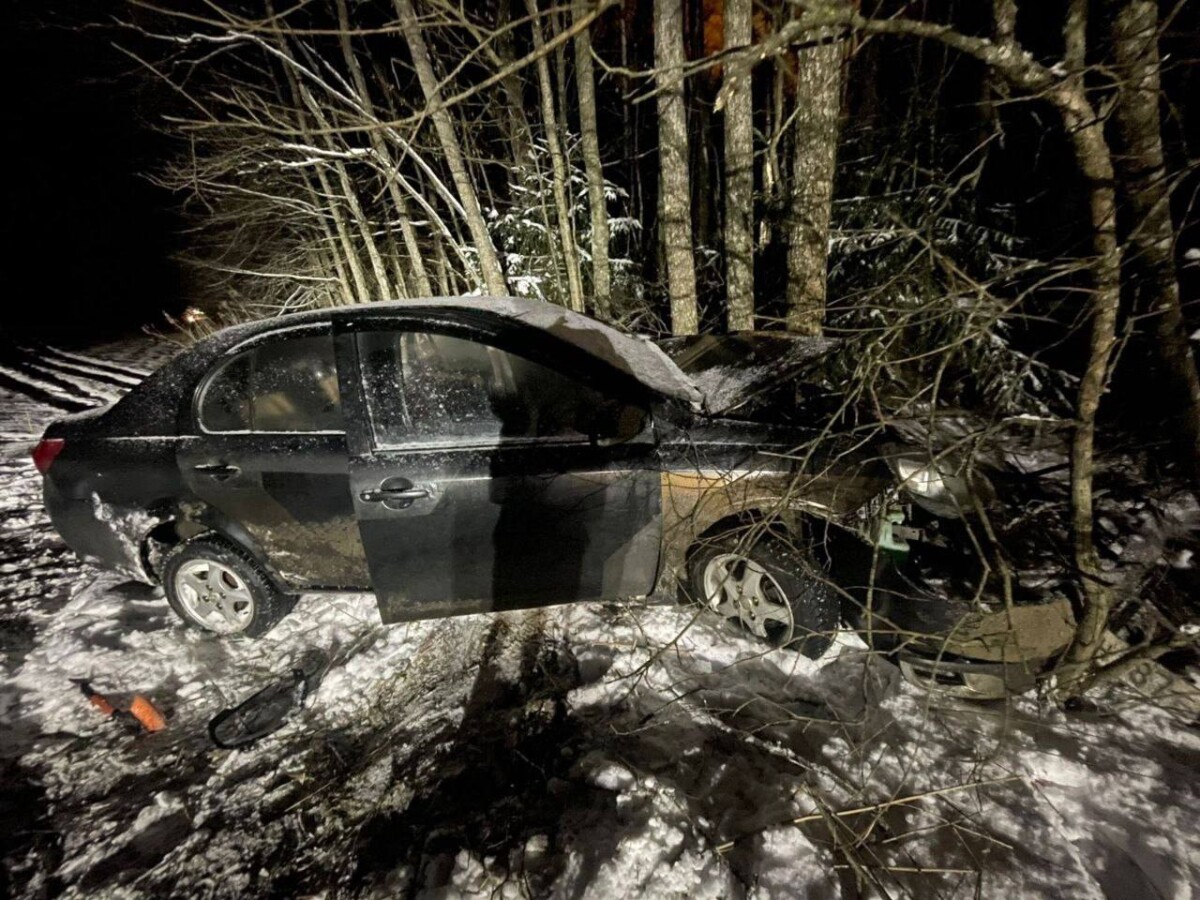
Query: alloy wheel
(737, 587)
(214, 595)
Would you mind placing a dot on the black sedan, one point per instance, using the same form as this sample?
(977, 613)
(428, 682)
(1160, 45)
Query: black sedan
(464, 455)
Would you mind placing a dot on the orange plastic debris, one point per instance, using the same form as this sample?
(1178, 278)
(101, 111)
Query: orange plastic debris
(143, 710)
(101, 703)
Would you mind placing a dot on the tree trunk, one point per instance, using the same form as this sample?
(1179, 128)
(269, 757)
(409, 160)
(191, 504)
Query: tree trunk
(558, 166)
(1085, 131)
(675, 202)
(818, 108)
(327, 194)
(739, 174)
(489, 264)
(1143, 181)
(379, 145)
(423, 187)
(327, 251)
(443, 265)
(350, 196)
(590, 134)
(516, 125)
(1095, 161)
(361, 293)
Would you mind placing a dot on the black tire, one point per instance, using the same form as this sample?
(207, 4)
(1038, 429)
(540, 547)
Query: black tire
(798, 583)
(265, 605)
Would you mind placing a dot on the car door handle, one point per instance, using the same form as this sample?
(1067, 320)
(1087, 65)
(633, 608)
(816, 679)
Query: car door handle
(389, 494)
(216, 470)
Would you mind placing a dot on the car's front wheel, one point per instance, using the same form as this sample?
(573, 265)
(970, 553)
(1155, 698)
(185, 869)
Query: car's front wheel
(770, 589)
(216, 587)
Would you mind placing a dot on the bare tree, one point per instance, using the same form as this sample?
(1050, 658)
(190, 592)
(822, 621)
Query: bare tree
(1146, 189)
(558, 165)
(585, 81)
(489, 264)
(1092, 156)
(516, 125)
(350, 254)
(739, 174)
(675, 201)
(379, 146)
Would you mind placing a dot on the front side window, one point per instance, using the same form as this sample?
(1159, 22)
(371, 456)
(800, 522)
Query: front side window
(288, 385)
(434, 388)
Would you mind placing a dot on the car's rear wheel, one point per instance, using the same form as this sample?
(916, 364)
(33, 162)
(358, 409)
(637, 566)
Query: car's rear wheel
(770, 589)
(214, 586)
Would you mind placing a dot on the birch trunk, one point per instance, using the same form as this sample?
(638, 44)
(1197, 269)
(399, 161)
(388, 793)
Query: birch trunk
(590, 137)
(516, 125)
(327, 194)
(350, 196)
(739, 174)
(558, 166)
(380, 147)
(818, 108)
(675, 201)
(1143, 181)
(489, 264)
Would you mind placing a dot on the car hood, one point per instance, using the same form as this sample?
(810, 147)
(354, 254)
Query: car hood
(730, 370)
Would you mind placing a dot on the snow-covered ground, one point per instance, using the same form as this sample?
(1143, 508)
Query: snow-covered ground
(588, 751)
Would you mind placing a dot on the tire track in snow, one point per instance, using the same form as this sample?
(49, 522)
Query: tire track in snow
(52, 383)
(19, 384)
(80, 370)
(64, 381)
(87, 388)
(132, 374)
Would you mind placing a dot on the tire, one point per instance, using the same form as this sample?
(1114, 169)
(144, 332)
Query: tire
(217, 587)
(802, 607)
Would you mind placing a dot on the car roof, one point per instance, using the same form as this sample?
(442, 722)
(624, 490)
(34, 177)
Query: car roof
(636, 357)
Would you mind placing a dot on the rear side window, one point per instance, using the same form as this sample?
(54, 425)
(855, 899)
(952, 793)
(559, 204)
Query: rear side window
(288, 385)
(434, 388)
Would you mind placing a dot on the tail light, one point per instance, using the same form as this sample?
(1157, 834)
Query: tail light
(46, 452)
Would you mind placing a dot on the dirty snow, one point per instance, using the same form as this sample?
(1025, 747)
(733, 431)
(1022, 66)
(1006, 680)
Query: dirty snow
(598, 750)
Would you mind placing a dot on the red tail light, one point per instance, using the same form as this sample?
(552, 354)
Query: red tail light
(46, 452)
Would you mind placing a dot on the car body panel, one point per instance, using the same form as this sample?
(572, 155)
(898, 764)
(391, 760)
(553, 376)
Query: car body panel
(507, 527)
(291, 494)
(505, 523)
(1023, 633)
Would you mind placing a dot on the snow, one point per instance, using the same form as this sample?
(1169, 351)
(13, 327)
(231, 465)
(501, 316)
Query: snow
(593, 750)
(680, 756)
(724, 386)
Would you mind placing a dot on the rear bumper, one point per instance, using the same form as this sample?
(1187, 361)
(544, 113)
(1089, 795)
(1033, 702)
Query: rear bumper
(101, 534)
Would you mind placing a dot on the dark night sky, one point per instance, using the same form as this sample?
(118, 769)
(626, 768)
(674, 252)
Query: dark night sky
(88, 238)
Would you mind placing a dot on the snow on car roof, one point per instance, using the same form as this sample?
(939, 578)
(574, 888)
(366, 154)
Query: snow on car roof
(635, 356)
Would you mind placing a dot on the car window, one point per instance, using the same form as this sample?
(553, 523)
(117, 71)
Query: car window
(288, 385)
(434, 388)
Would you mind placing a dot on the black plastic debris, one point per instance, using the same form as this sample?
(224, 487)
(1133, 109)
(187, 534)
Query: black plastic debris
(271, 708)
